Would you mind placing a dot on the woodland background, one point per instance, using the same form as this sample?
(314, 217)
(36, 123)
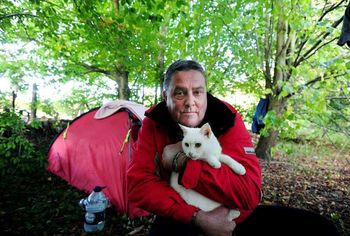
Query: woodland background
(60, 58)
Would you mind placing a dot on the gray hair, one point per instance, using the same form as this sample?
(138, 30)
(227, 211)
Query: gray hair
(181, 65)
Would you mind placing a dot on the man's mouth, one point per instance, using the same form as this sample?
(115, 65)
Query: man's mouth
(191, 112)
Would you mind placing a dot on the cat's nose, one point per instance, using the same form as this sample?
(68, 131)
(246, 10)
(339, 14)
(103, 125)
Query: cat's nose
(190, 154)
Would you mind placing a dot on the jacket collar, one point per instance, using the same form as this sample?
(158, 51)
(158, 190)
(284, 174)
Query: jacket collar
(218, 115)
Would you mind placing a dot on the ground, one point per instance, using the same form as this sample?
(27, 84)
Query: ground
(309, 183)
(40, 203)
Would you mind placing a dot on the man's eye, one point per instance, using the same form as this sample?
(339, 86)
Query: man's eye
(179, 93)
(197, 93)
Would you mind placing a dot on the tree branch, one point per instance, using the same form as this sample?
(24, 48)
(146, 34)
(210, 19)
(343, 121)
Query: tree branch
(267, 51)
(314, 47)
(299, 59)
(229, 30)
(229, 66)
(26, 31)
(318, 78)
(331, 8)
(117, 6)
(91, 69)
(312, 82)
(338, 98)
(339, 130)
(14, 15)
(326, 43)
(301, 46)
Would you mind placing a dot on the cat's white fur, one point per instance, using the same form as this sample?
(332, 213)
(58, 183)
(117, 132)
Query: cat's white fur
(201, 144)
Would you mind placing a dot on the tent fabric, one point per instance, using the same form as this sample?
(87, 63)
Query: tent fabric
(96, 152)
(259, 115)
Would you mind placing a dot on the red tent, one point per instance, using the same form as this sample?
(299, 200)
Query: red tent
(91, 152)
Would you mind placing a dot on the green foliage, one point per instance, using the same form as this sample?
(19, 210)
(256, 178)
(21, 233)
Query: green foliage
(48, 108)
(15, 149)
(4, 102)
(82, 97)
(325, 107)
(313, 144)
(90, 41)
(247, 112)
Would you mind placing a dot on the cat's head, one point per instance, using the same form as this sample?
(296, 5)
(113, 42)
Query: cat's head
(195, 140)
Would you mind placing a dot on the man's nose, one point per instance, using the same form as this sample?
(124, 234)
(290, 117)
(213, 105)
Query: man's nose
(190, 99)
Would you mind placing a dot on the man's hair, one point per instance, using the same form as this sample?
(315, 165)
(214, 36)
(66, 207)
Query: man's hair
(181, 65)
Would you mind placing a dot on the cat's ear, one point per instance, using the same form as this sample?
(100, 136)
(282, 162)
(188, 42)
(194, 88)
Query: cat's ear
(184, 128)
(206, 130)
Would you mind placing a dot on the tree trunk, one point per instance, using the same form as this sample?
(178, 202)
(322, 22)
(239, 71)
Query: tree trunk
(122, 78)
(14, 96)
(263, 148)
(161, 59)
(277, 104)
(34, 104)
(159, 83)
(265, 143)
(123, 86)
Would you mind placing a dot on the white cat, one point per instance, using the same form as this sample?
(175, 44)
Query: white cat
(201, 144)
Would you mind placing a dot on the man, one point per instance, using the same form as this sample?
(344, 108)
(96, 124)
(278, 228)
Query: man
(187, 102)
(158, 153)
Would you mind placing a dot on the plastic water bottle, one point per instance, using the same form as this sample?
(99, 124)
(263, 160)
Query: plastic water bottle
(95, 205)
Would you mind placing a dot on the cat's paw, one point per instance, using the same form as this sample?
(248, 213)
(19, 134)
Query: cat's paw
(233, 214)
(215, 165)
(240, 170)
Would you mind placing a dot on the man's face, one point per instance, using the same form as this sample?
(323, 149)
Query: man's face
(186, 97)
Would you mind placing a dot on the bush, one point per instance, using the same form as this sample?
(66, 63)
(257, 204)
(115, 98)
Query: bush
(15, 149)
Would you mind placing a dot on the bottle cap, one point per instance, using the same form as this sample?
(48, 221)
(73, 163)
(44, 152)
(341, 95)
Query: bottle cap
(99, 188)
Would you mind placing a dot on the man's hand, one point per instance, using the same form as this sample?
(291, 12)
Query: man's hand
(215, 222)
(169, 153)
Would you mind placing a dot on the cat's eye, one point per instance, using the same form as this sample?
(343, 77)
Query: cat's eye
(187, 145)
(197, 145)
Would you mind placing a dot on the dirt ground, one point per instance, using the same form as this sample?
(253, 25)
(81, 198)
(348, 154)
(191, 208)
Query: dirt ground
(41, 203)
(316, 184)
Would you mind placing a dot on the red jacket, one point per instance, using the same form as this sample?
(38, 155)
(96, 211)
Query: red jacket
(148, 182)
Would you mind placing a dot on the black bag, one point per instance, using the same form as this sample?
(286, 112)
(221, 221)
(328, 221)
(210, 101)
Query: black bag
(345, 32)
